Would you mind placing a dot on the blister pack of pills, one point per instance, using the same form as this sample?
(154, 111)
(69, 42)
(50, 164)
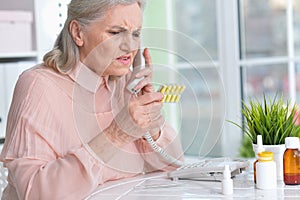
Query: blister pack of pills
(172, 93)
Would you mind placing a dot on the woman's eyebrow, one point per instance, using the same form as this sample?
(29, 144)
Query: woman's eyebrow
(119, 28)
(124, 29)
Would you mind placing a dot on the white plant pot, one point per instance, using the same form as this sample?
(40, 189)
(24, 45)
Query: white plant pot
(278, 151)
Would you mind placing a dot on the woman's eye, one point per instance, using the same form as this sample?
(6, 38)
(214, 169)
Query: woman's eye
(114, 32)
(137, 34)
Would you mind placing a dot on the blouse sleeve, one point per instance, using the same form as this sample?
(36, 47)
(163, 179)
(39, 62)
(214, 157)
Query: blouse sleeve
(169, 141)
(38, 169)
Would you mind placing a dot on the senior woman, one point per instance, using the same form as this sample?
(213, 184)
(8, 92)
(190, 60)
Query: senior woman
(72, 124)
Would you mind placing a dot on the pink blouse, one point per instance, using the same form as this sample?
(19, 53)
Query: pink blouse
(51, 120)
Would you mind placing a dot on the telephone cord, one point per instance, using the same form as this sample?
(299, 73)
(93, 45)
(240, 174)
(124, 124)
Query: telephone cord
(161, 151)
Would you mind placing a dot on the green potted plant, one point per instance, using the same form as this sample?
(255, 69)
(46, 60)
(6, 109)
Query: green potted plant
(274, 120)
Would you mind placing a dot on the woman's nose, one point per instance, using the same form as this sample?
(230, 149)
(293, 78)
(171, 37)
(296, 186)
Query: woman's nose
(129, 44)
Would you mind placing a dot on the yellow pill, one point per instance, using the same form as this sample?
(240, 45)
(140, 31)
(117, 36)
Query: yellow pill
(177, 98)
(164, 99)
(168, 98)
(163, 89)
(182, 88)
(177, 90)
(167, 89)
(173, 87)
(173, 98)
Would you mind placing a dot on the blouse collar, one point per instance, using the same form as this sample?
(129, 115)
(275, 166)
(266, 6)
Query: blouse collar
(86, 78)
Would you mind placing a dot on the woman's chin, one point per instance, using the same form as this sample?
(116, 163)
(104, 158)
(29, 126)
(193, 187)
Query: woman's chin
(120, 73)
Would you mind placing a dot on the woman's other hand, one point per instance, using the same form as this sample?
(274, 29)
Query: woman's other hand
(141, 115)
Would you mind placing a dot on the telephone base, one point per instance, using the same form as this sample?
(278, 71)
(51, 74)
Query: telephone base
(209, 169)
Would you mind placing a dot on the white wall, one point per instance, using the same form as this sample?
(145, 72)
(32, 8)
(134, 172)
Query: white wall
(50, 16)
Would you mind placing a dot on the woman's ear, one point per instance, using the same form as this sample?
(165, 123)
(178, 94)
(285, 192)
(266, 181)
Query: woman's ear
(76, 32)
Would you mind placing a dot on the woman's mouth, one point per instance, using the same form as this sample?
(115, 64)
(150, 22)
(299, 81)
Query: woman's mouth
(125, 60)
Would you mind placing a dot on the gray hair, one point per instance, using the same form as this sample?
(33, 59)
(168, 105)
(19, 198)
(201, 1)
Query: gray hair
(65, 54)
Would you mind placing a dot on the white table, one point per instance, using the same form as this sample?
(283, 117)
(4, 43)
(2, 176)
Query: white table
(157, 186)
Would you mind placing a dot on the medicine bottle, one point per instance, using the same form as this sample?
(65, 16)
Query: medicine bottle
(291, 159)
(266, 171)
(260, 148)
(227, 183)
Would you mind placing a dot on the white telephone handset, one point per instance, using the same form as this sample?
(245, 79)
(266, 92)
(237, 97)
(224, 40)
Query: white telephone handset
(137, 66)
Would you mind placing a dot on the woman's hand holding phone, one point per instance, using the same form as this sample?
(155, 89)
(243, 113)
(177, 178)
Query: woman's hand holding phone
(142, 112)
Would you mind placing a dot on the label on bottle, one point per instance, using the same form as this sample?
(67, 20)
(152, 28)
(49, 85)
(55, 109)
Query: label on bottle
(266, 175)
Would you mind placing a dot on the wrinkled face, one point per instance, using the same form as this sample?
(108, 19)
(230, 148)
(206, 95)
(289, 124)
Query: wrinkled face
(109, 45)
